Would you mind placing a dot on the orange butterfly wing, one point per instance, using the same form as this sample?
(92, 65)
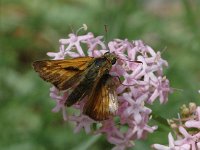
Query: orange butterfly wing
(62, 73)
(102, 102)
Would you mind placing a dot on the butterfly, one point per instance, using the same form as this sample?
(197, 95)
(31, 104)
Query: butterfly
(89, 77)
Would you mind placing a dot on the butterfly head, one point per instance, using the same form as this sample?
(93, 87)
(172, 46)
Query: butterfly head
(111, 57)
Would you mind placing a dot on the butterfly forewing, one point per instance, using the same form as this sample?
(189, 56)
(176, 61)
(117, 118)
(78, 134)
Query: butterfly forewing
(62, 73)
(102, 102)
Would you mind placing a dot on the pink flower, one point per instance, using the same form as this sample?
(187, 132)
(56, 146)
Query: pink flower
(171, 146)
(82, 121)
(187, 140)
(194, 123)
(144, 83)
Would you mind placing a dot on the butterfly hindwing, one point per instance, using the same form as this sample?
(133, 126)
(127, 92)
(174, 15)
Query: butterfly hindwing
(102, 101)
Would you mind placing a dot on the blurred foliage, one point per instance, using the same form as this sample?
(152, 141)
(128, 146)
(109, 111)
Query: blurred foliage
(29, 29)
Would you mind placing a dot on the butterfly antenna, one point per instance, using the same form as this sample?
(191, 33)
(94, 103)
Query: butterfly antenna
(136, 61)
(106, 34)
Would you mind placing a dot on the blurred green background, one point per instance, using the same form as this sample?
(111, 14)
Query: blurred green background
(29, 29)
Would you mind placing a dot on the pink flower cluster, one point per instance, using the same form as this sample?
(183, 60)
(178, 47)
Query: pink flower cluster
(189, 138)
(142, 83)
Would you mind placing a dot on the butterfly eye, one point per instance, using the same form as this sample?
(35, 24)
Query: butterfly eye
(113, 61)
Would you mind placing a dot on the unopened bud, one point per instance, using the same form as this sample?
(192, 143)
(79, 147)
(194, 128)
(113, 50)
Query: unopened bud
(192, 107)
(184, 110)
